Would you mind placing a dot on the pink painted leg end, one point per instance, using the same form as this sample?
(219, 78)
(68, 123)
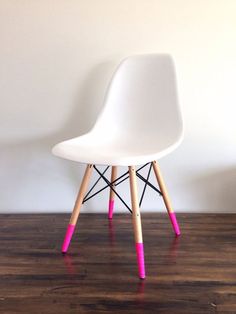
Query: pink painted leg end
(111, 207)
(174, 223)
(68, 236)
(140, 260)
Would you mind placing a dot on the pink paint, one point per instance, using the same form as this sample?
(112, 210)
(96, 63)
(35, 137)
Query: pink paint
(111, 207)
(68, 236)
(140, 260)
(174, 223)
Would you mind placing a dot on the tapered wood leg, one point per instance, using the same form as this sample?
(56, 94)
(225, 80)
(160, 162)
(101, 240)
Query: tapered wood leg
(166, 197)
(76, 210)
(137, 222)
(112, 194)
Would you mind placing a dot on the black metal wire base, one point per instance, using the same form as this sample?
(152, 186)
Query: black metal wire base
(118, 181)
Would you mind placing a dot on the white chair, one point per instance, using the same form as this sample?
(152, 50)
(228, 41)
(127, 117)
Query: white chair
(140, 123)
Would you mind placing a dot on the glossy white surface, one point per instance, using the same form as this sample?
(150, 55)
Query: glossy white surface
(141, 120)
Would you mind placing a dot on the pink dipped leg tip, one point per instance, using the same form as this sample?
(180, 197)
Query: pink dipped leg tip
(68, 236)
(174, 223)
(111, 207)
(140, 260)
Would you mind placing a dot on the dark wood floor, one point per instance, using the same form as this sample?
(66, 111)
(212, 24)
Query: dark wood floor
(195, 273)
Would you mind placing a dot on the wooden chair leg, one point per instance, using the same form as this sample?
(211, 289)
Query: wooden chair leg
(76, 210)
(112, 194)
(137, 222)
(166, 198)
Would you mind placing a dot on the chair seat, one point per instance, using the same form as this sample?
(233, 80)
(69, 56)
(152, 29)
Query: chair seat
(114, 151)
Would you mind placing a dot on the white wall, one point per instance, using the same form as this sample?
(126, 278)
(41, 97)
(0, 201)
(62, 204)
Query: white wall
(56, 57)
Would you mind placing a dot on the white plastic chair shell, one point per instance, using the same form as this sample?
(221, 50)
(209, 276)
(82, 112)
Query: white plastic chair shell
(141, 120)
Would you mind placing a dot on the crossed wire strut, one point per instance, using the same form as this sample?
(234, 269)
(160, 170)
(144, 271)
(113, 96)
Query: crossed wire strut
(118, 181)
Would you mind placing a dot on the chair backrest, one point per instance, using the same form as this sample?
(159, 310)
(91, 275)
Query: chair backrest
(142, 99)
